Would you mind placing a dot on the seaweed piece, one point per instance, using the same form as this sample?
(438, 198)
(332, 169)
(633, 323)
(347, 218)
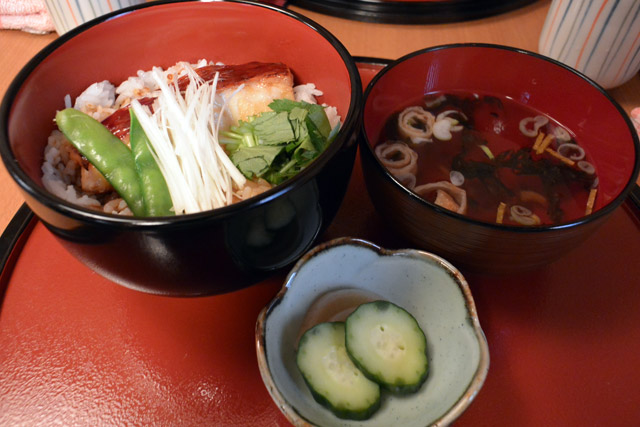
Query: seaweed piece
(550, 172)
(487, 172)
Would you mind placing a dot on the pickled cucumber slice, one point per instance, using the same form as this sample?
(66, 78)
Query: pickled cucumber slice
(333, 379)
(386, 343)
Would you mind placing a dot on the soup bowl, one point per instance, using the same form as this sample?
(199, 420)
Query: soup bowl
(537, 83)
(201, 253)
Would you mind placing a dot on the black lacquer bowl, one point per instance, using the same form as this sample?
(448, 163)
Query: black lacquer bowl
(197, 254)
(585, 109)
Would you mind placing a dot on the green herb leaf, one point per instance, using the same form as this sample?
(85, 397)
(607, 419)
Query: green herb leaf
(278, 144)
(273, 129)
(255, 161)
(316, 113)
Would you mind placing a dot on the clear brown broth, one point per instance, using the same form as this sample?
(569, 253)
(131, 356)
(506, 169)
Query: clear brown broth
(494, 122)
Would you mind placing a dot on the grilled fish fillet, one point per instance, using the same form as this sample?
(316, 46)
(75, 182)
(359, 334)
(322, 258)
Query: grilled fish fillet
(261, 83)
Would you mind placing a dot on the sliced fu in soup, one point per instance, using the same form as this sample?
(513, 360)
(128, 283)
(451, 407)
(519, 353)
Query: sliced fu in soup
(490, 158)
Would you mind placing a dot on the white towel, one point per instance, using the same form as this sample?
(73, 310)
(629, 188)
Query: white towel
(25, 15)
(635, 119)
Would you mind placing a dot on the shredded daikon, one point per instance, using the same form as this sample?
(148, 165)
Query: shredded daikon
(183, 132)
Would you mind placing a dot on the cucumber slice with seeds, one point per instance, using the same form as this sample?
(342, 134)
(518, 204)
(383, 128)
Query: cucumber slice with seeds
(386, 343)
(332, 378)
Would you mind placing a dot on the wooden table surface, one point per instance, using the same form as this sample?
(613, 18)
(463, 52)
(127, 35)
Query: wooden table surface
(519, 28)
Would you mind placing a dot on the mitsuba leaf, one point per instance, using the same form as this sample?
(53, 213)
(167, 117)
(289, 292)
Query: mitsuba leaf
(316, 113)
(320, 120)
(255, 161)
(298, 114)
(305, 150)
(273, 128)
(278, 144)
(317, 138)
(287, 105)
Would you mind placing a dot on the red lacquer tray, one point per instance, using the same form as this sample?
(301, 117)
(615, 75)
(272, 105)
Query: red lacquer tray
(76, 348)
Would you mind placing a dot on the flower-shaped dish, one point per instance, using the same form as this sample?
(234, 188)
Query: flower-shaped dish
(330, 281)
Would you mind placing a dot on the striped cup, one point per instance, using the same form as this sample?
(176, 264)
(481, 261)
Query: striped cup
(68, 14)
(600, 38)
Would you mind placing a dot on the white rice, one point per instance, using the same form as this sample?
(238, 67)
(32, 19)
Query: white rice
(308, 93)
(60, 178)
(102, 94)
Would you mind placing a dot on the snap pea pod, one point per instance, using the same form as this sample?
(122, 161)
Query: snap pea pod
(157, 199)
(106, 152)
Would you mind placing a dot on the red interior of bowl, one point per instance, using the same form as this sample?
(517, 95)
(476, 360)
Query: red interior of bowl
(540, 84)
(161, 35)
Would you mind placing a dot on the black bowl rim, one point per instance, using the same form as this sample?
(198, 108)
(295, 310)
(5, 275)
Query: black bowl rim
(349, 125)
(595, 216)
(411, 13)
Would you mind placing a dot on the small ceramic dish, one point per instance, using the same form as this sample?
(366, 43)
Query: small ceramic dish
(329, 282)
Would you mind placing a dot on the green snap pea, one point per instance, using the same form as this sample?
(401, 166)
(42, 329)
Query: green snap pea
(157, 199)
(106, 152)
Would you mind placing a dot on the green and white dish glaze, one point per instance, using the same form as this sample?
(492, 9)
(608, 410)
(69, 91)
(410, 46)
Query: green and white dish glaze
(427, 286)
